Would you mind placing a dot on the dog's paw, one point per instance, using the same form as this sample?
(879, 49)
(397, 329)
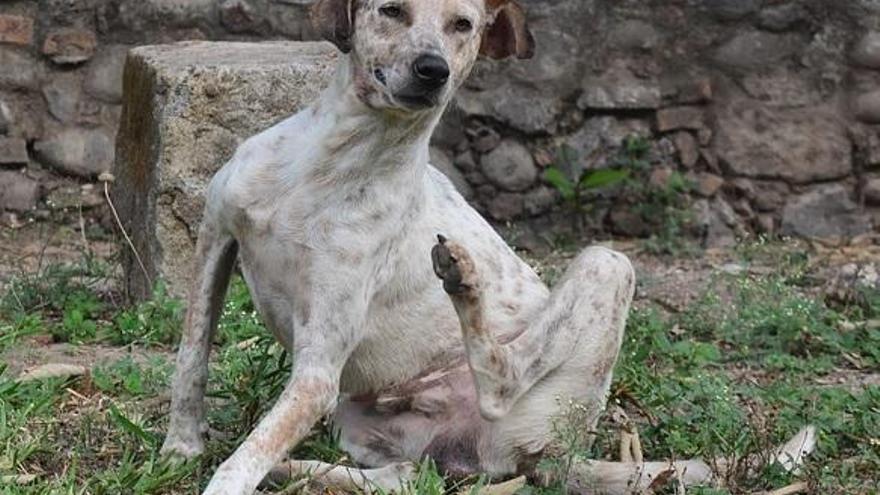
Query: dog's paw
(176, 448)
(454, 266)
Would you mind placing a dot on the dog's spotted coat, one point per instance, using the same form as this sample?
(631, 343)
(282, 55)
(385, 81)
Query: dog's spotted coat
(333, 214)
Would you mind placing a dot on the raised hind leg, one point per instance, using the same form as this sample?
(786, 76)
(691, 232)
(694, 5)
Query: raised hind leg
(566, 358)
(576, 337)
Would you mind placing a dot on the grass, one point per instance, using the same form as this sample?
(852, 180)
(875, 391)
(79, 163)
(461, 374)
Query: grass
(740, 370)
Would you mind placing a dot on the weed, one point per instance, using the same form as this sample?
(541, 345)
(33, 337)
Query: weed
(663, 208)
(127, 378)
(577, 192)
(54, 288)
(156, 321)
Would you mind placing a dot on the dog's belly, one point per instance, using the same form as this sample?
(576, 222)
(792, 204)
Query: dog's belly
(435, 416)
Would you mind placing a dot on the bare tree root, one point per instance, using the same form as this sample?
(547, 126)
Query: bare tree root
(628, 478)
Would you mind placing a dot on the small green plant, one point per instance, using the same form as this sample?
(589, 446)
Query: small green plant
(129, 378)
(571, 444)
(666, 207)
(51, 290)
(576, 192)
(157, 321)
(663, 208)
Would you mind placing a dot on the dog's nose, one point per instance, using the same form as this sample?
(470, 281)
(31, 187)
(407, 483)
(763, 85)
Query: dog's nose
(431, 70)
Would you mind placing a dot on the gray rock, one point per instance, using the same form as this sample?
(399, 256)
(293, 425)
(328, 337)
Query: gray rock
(76, 151)
(731, 10)
(634, 34)
(800, 146)
(753, 50)
(449, 133)
(707, 184)
(5, 117)
(619, 89)
(192, 105)
(598, 141)
(688, 117)
(441, 161)
(20, 70)
(13, 151)
(72, 197)
(871, 191)
(540, 200)
(717, 221)
(769, 196)
(505, 103)
(826, 211)
(867, 51)
(506, 206)
(688, 149)
(527, 239)
(18, 192)
(510, 166)
(781, 17)
(686, 90)
(625, 222)
(867, 107)
(104, 74)
(291, 19)
(239, 16)
(465, 162)
(171, 15)
(63, 94)
(70, 45)
(869, 147)
(781, 87)
(485, 139)
(766, 224)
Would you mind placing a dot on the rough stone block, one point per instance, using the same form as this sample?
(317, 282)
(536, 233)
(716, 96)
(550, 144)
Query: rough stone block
(16, 30)
(18, 192)
(800, 146)
(186, 107)
(823, 212)
(70, 46)
(670, 119)
(13, 151)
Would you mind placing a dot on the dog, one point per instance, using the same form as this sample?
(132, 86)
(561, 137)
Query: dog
(417, 345)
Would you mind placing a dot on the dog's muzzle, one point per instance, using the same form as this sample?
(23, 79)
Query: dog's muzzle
(430, 73)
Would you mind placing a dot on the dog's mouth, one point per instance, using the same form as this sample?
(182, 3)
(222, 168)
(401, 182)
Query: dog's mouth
(416, 101)
(412, 97)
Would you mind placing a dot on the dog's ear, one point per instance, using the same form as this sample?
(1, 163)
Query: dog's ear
(508, 34)
(334, 20)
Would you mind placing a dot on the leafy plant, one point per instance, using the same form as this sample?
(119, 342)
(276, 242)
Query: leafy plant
(575, 192)
(157, 321)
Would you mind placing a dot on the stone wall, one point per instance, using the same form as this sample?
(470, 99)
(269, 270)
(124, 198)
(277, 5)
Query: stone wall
(771, 108)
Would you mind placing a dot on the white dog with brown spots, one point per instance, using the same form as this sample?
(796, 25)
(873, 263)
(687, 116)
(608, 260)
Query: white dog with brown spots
(334, 214)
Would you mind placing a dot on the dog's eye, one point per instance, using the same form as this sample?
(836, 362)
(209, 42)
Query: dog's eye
(392, 11)
(463, 25)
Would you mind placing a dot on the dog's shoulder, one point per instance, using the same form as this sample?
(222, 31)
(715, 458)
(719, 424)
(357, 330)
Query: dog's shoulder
(260, 165)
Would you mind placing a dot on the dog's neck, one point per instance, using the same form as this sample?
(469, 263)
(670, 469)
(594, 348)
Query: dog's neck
(361, 143)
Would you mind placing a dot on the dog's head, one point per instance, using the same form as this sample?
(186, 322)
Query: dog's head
(411, 55)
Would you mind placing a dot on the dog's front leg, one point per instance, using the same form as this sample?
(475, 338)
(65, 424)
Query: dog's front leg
(320, 351)
(309, 395)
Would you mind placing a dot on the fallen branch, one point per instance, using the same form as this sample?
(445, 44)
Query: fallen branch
(52, 370)
(801, 487)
